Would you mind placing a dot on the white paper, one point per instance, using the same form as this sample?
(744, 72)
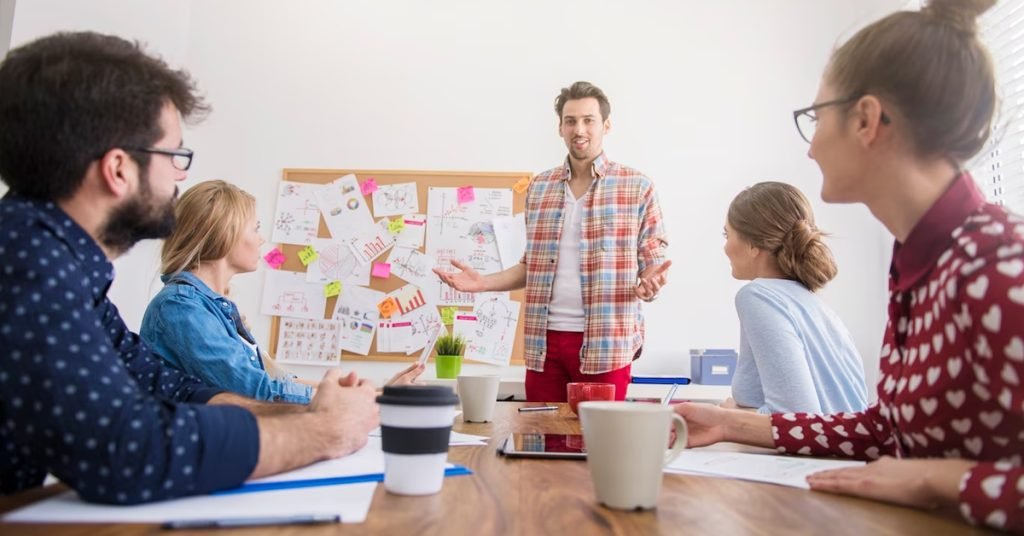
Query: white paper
(309, 341)
(350, 501)
(414, 266)
(422, 323)
(494, 333)
(409, 297)
(357, 309)
(336, 262)
(510, 235)
(288, 294)
(466, 231)
(371, 243)
(395, 199)
(297, 218)
(392, 335)
(785, 470)
(413, 232)
(344, 208)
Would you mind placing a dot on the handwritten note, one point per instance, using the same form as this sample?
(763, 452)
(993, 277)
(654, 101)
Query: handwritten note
(368, 186)
(466, 195)
(448, 315)
(307, 255)
(274, 258)
(381, 270)
(332, 289)
(521, 185)
(387, 307)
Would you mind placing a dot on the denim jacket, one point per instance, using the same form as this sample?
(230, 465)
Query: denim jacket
(200, 332)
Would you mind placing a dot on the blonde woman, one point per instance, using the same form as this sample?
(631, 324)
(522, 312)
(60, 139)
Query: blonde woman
(192, 324)
(795, 352)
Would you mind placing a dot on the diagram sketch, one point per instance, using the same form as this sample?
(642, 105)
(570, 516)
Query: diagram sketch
(288, 294)
(371, 243)
(344, 208)
(297, 217)
(409, 298)
(395, 199)
(491, 338)
(414, 266)
(466, 231)
(416, 329)
(336, 262)
(357, 310)
(309, 341)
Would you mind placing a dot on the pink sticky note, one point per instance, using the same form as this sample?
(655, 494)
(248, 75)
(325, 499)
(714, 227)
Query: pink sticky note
(274, 258)
(368, 186)
(466, 194)
(381, 270)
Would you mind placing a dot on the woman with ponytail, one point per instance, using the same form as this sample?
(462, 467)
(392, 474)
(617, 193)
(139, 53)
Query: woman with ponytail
(795, 352)
(902, 106)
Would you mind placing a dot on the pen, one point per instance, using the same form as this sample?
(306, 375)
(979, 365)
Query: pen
(671, 392)
(251, 522)
(539, 408)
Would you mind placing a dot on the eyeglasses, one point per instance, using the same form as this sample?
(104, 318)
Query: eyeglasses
(180, 158)
(806, 119)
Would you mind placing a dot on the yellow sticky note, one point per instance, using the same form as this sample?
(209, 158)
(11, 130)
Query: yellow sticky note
(447, 315)
(332, 289)
(521, 185)
(308, 255)
(396, 225)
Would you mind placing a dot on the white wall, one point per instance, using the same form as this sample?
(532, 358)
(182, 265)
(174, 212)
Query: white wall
(6, 23)
(701, 93)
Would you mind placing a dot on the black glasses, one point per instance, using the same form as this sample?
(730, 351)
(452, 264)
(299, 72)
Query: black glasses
(806, 119)
(180, 158)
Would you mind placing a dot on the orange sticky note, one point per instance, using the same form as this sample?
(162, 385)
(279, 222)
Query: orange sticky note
(332, 289)
(387, 307)
(521, 185)
(308, 255)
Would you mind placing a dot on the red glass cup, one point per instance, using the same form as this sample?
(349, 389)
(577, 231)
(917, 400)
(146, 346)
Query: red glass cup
(578, 392)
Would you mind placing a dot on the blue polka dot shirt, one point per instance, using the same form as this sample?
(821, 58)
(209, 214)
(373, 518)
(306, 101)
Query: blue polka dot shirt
(84, 398)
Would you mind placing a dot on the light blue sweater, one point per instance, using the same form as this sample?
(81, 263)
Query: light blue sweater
(795, 353)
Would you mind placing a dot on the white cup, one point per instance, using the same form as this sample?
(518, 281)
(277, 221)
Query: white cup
(626, 450)
(478, 394)
(416, 424)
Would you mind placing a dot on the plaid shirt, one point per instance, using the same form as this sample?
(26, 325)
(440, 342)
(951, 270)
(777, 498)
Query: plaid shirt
(622, 234)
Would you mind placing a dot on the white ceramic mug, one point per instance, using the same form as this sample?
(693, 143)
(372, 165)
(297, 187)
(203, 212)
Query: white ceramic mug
(478, 394)
(626, 450)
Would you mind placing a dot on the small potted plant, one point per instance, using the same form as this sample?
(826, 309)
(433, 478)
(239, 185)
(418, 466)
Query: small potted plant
(448, 361)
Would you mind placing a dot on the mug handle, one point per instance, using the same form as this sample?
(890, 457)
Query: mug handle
(681, 432)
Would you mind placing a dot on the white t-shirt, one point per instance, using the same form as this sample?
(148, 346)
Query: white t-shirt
(565, 312)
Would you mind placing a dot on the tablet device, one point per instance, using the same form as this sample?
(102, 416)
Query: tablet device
(534, 445)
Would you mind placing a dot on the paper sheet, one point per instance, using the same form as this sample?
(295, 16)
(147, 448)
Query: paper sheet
(414, 266)
(297, 217)
(510, 235)
(395, 199)
(357, 310)
(784, 470)
(309, 341)
(350, 501)
(288, 294)
(465, 231)
(344, 208)
(491, 337)
(336, 262)
(372, 242)
(413, 231)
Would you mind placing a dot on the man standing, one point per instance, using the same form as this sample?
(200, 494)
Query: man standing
(595, 248)
(91, 148)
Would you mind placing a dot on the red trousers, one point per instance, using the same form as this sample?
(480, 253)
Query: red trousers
(562, 366)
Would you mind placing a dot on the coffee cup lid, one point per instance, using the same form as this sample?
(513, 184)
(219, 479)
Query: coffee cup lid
(418, 395)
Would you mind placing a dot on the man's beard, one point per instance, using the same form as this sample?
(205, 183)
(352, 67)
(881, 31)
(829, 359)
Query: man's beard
(138, 218)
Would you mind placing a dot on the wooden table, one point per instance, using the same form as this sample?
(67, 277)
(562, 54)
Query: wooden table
(539, 497)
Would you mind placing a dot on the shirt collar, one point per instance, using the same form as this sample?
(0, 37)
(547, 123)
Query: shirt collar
(918, 254)
(599, 167)
(188, 278)
(67, 230)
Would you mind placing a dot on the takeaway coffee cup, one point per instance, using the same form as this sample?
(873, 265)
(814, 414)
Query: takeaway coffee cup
(479, 394)
(626, 450)
(415, 425)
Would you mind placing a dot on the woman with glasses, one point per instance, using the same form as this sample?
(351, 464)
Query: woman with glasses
(192, 324)
(795, 352)
(901, 107)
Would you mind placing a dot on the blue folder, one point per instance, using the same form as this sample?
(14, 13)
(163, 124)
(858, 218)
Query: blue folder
(253, 487)
(662, 380)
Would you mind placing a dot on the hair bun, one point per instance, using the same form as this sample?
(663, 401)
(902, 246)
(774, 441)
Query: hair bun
(961, 14)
